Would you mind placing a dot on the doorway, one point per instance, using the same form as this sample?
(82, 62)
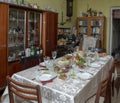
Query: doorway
(115, 31)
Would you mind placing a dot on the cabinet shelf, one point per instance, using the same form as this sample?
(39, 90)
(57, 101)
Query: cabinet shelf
(95, 26)
(15, 45)
(83, 26)
(15, 20)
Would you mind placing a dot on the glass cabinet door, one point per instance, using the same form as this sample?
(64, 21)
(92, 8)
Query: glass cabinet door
(16, 33)
(34, 29)
(83, 27)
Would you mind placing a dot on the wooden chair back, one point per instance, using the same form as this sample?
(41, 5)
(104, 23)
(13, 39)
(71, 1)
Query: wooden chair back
(103, 90)
(106, 87)
(112, 78)
(25, 91)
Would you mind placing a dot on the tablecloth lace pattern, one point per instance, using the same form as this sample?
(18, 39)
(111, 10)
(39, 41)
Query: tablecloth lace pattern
(72, 90)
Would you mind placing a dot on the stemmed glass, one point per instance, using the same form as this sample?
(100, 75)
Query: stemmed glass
(76, 48)
(46, 61)
(54, 54)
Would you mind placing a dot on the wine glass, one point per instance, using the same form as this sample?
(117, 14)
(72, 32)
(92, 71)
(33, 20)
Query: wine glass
(46, 60)
(77, 48)
(54, 54)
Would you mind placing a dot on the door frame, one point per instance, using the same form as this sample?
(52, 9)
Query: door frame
(111, 28)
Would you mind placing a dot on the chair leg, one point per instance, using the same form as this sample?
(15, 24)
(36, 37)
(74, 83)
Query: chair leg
(108, 95)
(113, 85)
(117, 84)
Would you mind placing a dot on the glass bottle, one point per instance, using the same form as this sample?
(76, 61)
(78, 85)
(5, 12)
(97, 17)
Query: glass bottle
(32, 50)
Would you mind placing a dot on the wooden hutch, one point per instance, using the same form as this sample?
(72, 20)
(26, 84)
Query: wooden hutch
(22, 27)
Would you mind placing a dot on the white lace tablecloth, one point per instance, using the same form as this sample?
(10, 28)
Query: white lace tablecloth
(72, 90)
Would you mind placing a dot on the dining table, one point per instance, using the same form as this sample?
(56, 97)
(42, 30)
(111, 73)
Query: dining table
(80, 82)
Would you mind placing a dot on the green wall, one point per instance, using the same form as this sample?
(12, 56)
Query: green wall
(99, 5)
(59, 6)
(81, 6)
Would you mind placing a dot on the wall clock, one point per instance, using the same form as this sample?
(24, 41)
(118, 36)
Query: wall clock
(69, 8)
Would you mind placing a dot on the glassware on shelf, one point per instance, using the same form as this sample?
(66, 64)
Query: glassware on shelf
(16, 37)
(33, 28)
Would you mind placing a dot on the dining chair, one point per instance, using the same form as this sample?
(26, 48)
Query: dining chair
(23, 93)
(112, 78)
(88, 42)
(117, 80)
(102, 94)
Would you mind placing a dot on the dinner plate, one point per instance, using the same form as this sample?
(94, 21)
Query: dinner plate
(95, 65)
(84, 76)
(45, 77)
(69, 54)
(103, 58)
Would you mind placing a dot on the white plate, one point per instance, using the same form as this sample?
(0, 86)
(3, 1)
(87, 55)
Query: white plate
(95, 65)
(103, 58)
(84, 76)
(69, 54)
(45, 77)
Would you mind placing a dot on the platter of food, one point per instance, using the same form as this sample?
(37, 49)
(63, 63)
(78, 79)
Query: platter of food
(63, 76)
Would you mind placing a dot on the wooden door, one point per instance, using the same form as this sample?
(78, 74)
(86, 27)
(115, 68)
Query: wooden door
(3, 44)
(49, 37)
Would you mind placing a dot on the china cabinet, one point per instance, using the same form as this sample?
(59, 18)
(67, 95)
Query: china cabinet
(92, 26)
(23, 27)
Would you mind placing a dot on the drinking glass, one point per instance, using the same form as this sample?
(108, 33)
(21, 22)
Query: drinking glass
(88, 61)
(54, 54)
(48, 63)
(77, 48)
(46, 60)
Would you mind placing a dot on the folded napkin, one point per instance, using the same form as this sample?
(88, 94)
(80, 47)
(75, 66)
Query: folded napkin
(44, 82)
